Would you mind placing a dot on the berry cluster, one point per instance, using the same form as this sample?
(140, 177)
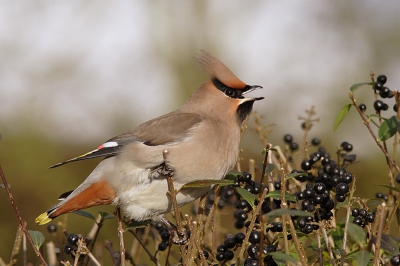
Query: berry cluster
(224, 251)
(165, 235)
(71, 247)
(362, 217)
(383, 92)
(253, 251)
(326, 175)
(288, 139)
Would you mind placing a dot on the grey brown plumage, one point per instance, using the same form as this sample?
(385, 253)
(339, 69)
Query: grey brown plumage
(202, 138)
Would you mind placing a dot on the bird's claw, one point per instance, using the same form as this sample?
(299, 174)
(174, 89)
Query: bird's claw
(179, 238)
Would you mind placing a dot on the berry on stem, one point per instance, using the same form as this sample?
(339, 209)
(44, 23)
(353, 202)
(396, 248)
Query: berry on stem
(362, 107)
(382, 79)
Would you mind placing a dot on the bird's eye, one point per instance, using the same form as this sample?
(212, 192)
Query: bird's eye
(230, 92)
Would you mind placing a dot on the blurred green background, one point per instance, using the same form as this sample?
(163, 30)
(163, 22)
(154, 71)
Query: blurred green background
(74, 74)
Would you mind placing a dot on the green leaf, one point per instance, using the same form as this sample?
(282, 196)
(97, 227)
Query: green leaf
(270, 167)
(389, 187)
(354, 87)
(106, 215)
(341, 204)
(291, 175)
(356, 233)
(363, 258)
(234, 173)
(341, 115)
(137, 224)
(338, 237)
(389, 244)
(37, 238)
(2, 185)
(388, 128)
(85, 214)
(250, 198)
(276, 194)
(283, 256)
(279, 212)
(206, 183)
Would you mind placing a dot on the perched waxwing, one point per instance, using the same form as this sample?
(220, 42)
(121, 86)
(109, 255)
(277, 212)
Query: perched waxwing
(202, 139)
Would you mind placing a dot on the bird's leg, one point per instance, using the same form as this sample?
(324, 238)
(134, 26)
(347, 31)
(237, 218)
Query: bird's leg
(179, 238)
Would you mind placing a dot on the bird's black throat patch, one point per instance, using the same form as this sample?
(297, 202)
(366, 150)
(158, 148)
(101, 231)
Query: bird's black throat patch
(244, 110)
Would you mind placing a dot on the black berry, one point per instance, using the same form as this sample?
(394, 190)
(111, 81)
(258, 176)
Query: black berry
(220, 256)
(52, 228)
(378, 86)
(229, 254)
(162, 246)
(362, 107)
(355, 212)
(378, 105)
(288, 138)
(72, 239)
(346, 146)
(239, 237)
(254, 237)
(68, 249)
(382, 79)
(316, 141)
(347, 178)
(293, 146)
(230, 242)
(342, 188)
(357, 221)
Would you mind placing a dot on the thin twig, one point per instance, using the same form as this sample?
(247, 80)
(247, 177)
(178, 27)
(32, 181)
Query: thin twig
(381, 215)
(152, 258)
(328, 246)
(253, 220)
(297, 244)
(267, 152)
(348, 207)
(320, 259)
(17, 246)
(21, 222)
(121, 237)
(366, 123)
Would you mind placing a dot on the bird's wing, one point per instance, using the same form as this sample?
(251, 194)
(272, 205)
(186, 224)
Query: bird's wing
(170, 128)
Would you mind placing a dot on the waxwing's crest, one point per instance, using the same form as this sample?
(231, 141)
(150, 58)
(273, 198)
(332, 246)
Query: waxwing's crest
(215, 69)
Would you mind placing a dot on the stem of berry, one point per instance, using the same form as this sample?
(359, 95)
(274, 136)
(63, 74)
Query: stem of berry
(366, 123)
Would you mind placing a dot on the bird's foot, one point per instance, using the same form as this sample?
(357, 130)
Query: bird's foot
(178, 237)
(165, 170)
(162, 170)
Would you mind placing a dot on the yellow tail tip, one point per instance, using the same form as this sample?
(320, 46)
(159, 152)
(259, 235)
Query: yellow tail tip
(43, 219)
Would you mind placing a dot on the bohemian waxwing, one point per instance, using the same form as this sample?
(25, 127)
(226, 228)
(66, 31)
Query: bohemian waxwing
(202, 139)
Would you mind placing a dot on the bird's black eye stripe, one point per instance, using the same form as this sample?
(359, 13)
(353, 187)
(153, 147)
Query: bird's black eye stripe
(230, 92)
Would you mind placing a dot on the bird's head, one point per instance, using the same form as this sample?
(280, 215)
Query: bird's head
(224, 92)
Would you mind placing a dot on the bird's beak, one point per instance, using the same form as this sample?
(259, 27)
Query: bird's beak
(250, 88)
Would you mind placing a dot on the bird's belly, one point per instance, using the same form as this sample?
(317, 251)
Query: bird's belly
(151, 199)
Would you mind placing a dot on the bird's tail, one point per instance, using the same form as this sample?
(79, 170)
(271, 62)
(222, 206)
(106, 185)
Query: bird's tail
(99, 193)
